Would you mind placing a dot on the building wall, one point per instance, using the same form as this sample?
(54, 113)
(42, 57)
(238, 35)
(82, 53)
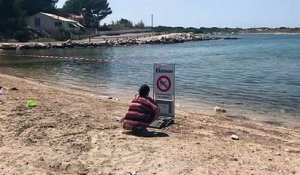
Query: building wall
(48, 24)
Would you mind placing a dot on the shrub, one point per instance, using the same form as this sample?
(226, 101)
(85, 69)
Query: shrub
(22, 35)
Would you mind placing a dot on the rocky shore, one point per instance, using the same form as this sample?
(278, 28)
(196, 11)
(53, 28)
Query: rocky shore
(128, 41)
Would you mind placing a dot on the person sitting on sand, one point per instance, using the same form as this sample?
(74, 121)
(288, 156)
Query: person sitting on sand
(143, 110)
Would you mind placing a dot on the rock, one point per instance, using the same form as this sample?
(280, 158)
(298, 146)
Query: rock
(234, 159)
(49, 45)
(14, 89)
(1, 140)
(235, 137)
(65, 165)
(69, 41)
(231, 38)
(39, 46)
(264, 167)
(119, 119)
(24, 47)
(110, 98)
(8, 46)
(219, 109)
(59, 46)
(54, 165)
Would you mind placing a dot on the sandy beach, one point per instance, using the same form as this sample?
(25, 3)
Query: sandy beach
(75, 132)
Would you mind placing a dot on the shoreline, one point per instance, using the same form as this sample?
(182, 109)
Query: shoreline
(71, 132)
(270, 33)
(206, 108)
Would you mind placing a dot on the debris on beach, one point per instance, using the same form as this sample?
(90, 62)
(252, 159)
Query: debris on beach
(14, 89)
(119, 119)
(31, 103)
(133, 173)
(234, 159)
(1, 90)
(235, 137)
(219, 109)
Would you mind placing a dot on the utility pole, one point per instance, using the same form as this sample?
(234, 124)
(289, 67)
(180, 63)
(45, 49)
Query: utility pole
(152, 21)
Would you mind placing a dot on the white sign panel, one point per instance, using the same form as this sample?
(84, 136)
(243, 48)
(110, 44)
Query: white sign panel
(164, 81)
(164, 88)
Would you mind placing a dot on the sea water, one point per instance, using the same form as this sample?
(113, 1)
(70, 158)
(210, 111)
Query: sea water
(257, 75)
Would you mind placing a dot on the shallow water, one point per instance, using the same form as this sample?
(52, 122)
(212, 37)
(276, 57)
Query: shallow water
(258, 75)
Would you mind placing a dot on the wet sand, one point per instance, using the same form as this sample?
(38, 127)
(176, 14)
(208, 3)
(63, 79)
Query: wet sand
(75, 132)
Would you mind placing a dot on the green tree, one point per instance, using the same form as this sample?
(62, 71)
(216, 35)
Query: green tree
(7, 17)
(140, 25)
(124, 23)
(93, 10)
(32, 7)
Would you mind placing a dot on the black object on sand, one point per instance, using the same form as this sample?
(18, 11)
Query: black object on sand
(162, 122)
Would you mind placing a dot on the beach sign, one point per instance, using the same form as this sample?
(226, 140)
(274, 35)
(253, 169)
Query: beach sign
(164, 88)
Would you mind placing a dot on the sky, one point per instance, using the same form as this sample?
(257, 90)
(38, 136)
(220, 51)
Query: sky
(207, 13)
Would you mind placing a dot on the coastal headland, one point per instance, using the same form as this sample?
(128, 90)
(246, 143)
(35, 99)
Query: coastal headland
(76, 132)
(121, 40)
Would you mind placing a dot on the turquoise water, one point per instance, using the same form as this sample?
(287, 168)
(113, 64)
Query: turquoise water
(256, 75)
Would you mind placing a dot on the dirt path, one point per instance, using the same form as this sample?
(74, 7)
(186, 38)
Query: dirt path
(74, 132)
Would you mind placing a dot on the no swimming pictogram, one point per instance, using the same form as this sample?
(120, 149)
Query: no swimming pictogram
(164, 83)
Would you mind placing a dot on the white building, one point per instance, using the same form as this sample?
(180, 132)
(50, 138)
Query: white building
(53, 24)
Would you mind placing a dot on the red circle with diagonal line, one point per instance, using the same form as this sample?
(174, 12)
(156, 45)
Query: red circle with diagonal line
(163, 83)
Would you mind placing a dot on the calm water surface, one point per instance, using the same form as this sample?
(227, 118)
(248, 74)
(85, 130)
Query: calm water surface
(258, 75)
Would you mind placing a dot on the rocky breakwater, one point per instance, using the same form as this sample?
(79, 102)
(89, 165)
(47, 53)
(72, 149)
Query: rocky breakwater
(157, 39)
(177, 38)
(24, 46)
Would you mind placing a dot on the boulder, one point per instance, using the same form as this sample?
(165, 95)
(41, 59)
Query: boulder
(24, 47)
(235, 137)
(8, 46)
(39, 46)
(219, 109)
(231, 38)
(69, 41)
(59, 45)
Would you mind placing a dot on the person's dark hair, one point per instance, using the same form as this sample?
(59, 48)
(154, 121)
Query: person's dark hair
(144, 91)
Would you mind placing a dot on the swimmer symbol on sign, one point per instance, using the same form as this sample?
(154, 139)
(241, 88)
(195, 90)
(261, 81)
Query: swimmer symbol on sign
(163, 83)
